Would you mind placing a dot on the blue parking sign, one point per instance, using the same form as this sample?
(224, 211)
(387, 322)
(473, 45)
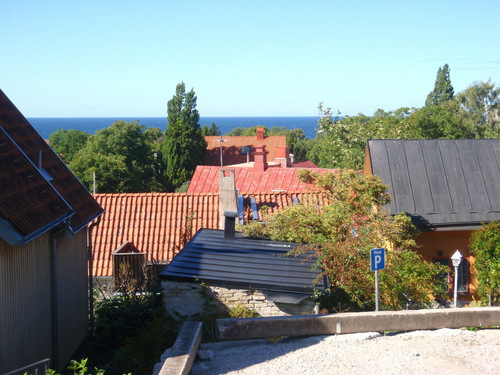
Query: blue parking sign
(377, 257)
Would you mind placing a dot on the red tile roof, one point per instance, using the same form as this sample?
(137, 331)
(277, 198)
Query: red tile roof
(275, 202)
(153, 222)
(231, 147)
(304, 164)
(29, 187)
(274, 179)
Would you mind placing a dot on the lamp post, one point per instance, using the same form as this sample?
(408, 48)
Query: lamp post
(220, 143)
(456, 259)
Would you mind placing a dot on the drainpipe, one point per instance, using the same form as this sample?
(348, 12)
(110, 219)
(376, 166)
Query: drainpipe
(53, 265)
(90, 257)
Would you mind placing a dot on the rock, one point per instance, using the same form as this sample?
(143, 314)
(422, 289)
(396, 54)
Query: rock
(205, 355)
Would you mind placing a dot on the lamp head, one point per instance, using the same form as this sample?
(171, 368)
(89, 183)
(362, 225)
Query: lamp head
(456, 258)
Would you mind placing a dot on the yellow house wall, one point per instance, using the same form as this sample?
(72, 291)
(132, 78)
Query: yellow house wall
(439, 245)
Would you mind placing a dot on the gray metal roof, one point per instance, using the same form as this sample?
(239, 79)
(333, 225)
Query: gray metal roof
(440, 183)
(243, 262)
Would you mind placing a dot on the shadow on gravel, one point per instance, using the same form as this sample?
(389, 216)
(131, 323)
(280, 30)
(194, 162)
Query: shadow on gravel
(237, 355)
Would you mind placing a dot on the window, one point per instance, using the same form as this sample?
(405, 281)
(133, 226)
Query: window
(447, 279)
(463, 276)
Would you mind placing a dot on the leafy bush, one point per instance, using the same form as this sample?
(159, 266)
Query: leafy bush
(339, 236)
(132, 328)
(241, 311)
(485, 244)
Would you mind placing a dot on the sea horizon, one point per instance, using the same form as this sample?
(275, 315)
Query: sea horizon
(45, 126)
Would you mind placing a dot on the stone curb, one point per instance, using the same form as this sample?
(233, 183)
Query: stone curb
(183, 352)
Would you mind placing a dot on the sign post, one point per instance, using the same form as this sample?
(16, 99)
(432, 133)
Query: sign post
(377, 261)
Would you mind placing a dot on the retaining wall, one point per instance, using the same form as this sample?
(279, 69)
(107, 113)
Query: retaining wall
(191, 299)
(407, 320)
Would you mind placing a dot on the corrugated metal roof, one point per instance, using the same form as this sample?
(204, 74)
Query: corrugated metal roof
(30, 142)
(242, 262)
(249, 181)
(440, 182)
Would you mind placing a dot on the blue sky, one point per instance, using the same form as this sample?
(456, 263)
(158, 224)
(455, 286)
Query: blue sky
(98, 58)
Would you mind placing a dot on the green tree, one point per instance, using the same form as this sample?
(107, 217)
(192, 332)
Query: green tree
(154, 136)
(293, 137)
(439, 121)
(485, 244)
(443, 89)
(111, 172)
(480, 103)
(302, 148)
(339, 237)
(121, 157)
(341, 142)
(247, 132)
(68, 142)
(184, 146)
(212, 130)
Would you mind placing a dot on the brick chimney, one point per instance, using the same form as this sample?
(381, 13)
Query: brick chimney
(260, 158)
(260, 134)
(283, 156)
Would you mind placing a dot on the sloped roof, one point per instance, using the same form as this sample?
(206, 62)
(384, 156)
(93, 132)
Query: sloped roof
(248, 180)
(304, 164)
(242, 262)
(35, 199)
(28, 209)
(231, 148)
(154, 222)
(257, 206)
(440, 183)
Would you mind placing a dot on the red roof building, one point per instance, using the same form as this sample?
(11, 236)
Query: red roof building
(232, 152)
(158, 224)
(259, 176)
(154, 223)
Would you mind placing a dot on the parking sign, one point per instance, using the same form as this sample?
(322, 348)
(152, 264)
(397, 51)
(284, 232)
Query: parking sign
(377, 257)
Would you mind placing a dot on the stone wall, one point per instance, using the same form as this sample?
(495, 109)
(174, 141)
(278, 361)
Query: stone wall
(190, 298)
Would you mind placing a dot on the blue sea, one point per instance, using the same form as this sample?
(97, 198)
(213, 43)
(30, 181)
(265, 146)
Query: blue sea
(46, 126)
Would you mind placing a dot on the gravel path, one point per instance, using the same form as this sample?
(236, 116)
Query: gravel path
(444, 351)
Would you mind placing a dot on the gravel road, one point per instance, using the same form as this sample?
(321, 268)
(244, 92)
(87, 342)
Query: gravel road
(443, 351)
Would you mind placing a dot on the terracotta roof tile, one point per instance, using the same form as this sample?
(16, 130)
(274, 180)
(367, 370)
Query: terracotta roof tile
(231, 148)
(153, 222)
(248, 180)
(156, 227)
(304, 164)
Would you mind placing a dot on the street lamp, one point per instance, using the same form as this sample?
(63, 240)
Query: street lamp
(220, 143)
(456, 258)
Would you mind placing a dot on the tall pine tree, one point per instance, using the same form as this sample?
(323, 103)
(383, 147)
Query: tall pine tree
(184, 145)
(443, 89)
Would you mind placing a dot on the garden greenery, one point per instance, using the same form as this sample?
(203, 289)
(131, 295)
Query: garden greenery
(485, 245)
(339, 236)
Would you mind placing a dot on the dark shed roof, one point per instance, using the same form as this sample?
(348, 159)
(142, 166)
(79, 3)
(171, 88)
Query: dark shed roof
(242, 262)
(441, 183)
(34, 199)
